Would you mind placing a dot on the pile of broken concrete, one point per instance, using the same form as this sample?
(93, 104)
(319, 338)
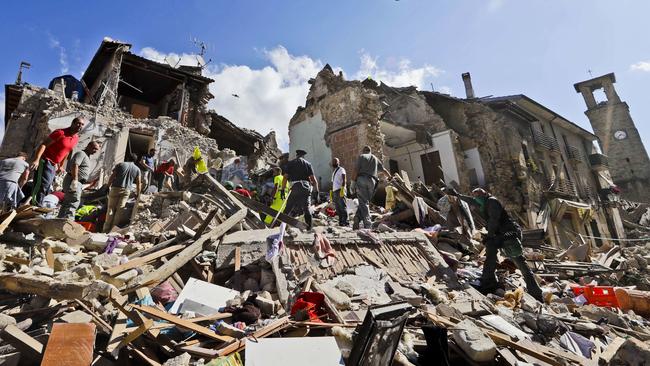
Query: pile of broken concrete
(197, 278)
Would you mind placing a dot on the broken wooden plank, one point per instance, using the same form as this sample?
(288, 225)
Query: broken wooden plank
(7, 220)
(17, 260)
(44, 286)
(140, 261)
(205, 223)
(181, 322)
(166, 270)
(70, 344)
(116, 335)
(28, 346)
(240, 344)
(262, 208)
(610, 351)
(237, 258)
(49, 257)
(107, 327)
(140, 330)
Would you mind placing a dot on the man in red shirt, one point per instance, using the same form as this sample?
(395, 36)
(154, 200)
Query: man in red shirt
(164, 173)
(243, 191)
(50, 156)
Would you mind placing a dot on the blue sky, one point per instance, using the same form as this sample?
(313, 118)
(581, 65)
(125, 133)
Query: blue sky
(265, 51)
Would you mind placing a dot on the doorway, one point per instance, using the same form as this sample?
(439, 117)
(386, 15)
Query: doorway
(139, 142)
(432, 168)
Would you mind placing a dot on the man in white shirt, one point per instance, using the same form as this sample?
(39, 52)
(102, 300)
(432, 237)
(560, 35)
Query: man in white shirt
(338, 192)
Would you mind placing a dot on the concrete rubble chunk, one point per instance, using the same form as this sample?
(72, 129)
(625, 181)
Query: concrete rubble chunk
(632, 352)
(65, 261)
(182, 360)
(476, 344)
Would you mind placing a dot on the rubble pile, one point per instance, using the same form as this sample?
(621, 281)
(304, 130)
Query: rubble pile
(196, 278)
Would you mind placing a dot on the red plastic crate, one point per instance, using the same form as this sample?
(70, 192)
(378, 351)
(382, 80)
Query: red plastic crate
(597, 295)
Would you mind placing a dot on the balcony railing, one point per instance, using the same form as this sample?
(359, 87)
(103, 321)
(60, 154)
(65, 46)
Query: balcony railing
(562, 186)
(545, 141)
(598, 162)
(574, 153)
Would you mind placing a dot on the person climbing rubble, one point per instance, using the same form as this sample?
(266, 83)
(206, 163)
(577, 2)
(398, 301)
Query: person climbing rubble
(502, 233)
(365, 181)
(50, 156)
(164, 175)
(121, 182)
(338, 191)
(147, 166)
(278, 202)
(78, 171)
(13, 175)
(303, 186)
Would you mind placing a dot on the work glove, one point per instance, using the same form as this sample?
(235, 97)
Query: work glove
(331, 196)
(74, 185)
(282, 194)
(342, 192)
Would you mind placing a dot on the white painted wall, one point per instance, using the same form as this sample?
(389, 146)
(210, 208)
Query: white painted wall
(473, 161)
(309, 135)
(408, 157)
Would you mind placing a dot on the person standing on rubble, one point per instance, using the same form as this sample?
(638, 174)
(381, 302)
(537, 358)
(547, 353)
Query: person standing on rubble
(13, 175)
(502, 232)
(121, 183)
(50, 156)
(365, 181)
(147, 165)
(78, 171)
(338, 192)
(303, 185)
(278, 199)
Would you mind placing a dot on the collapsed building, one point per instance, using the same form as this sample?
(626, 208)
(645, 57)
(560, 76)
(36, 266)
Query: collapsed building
(546, 168)
(132, 104)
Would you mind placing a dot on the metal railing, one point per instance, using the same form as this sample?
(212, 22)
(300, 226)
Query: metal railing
(562, 186)
(545, 141)
(574, 153)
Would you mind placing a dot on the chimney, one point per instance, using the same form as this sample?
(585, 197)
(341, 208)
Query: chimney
(469, 90)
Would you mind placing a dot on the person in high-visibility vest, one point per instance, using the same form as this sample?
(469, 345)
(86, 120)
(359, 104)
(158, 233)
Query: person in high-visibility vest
(278, 198)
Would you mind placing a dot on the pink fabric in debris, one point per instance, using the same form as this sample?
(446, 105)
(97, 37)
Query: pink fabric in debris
(164, 293)
(324, 251)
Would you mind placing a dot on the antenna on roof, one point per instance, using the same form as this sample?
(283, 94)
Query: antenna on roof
(203, 47)
(23, 65)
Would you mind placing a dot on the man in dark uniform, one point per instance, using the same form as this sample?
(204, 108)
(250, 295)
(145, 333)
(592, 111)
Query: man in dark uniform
(303, 184)
(502, 232)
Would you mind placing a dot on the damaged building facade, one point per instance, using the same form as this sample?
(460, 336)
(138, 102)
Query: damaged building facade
(544, 167)
(131, 104)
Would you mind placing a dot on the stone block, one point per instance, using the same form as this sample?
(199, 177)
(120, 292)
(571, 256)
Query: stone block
(474, 342)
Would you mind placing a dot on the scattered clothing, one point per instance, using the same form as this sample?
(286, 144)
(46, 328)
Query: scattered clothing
(323, 250)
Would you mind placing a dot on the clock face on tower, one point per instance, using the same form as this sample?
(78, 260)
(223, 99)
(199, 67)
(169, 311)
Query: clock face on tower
(620, 135)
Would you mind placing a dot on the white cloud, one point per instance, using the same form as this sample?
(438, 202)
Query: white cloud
(172, 58)
(268, 96)
(63, 55)
(403, 75)
(641, 66)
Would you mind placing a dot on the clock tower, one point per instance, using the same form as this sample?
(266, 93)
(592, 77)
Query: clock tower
(619, 139)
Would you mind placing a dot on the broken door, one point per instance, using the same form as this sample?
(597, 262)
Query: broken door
(432, 168)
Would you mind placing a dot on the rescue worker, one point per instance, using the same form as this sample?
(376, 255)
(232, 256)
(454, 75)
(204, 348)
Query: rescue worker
(78, 172)
(13, 175)
(502, 233)
(303, 186)
(365, 181)
(278, 200)
(121, 183)
(338, 191)
(146, 163)
(50, 156)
